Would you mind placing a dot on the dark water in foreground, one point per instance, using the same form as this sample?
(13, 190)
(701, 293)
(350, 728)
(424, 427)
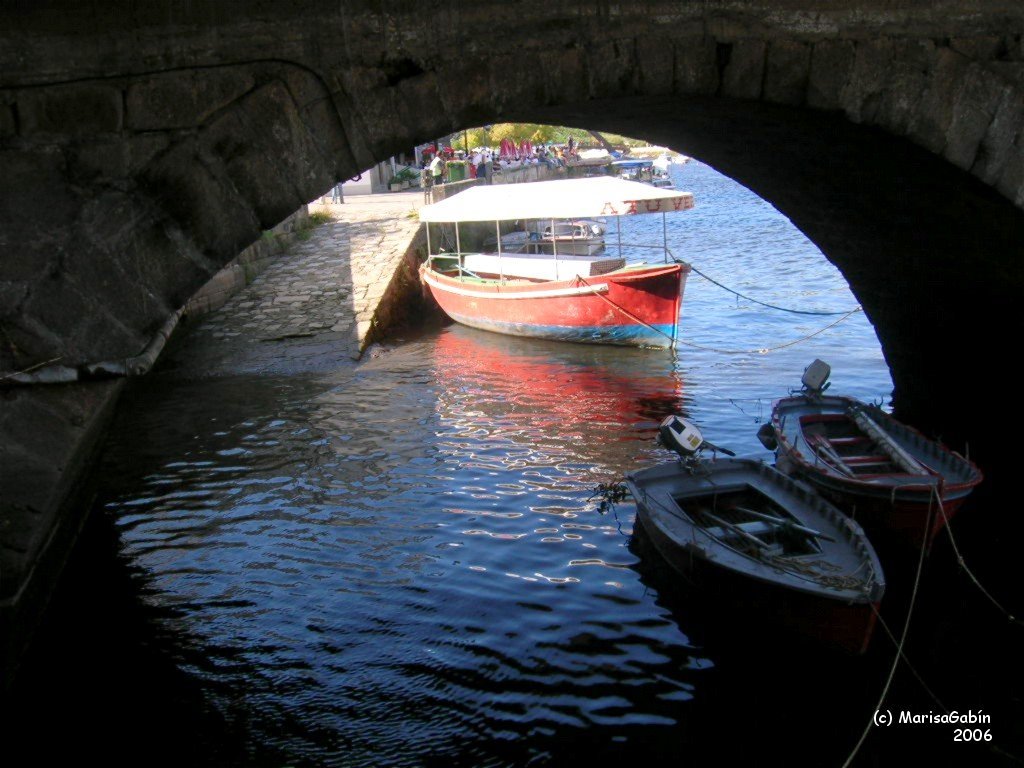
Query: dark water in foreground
(398, 563)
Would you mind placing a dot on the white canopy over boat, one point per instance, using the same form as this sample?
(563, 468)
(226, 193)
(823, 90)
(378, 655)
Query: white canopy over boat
(562, 199)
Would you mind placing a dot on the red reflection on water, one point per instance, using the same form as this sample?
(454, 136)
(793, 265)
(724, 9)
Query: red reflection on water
(570, 389)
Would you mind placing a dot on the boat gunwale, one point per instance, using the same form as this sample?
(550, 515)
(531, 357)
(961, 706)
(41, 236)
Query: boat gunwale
(627, 274)
(759, 477)
(871, 484)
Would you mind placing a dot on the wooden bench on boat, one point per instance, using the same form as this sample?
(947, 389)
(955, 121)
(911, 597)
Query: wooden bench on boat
(539, 266)
(868, 451)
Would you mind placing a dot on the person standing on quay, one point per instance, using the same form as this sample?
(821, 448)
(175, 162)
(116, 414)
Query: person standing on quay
(437, 168)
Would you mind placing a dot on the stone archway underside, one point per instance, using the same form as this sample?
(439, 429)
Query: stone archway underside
(142, 149)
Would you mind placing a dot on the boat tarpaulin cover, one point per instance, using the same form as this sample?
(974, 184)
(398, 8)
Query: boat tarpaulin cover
(563, 199)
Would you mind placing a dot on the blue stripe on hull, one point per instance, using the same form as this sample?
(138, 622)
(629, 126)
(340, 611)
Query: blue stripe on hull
(623, 335)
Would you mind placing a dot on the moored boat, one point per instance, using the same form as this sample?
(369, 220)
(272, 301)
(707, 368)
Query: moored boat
(575, 296)
(632, 169)
(659, 173)
(580, 237)
(884, 473)
(632, 306)
(754, 537)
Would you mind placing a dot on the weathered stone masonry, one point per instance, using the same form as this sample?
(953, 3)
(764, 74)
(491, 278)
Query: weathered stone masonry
(143, 149)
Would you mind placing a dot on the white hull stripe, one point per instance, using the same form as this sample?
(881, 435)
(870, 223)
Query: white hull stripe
(512, 294)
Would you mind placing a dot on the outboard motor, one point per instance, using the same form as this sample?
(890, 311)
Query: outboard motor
(682, 436)
(815, 378)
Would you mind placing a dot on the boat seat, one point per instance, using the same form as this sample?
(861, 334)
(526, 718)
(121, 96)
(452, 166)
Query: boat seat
(841, 441)
(754, 527)
(867, 459)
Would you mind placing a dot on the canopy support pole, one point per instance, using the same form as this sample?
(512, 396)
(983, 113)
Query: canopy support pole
(554, 247)
(458, 248)
(664, 236)
(497, 232)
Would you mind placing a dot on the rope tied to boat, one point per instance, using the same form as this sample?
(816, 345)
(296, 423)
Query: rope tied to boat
(963, 563)
(810, 572)
(580, 279)
(899, 646)
(771, 306)
(906, 661)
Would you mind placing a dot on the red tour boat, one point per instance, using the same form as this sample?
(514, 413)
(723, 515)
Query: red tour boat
(544, 293)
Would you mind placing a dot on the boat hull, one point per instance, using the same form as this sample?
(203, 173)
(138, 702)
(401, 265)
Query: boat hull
(841, 616)
(631, 307)
(846, 627)
(894, 503)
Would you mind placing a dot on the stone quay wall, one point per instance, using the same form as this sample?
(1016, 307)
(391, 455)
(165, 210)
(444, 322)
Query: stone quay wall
(54, 434)
(245, 267)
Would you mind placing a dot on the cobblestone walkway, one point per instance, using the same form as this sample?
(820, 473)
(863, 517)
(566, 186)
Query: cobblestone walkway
(318, 298)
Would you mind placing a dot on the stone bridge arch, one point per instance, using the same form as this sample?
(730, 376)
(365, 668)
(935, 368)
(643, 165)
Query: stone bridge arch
(143, 147)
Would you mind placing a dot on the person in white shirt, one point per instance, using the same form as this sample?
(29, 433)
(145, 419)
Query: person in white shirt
(436, 168)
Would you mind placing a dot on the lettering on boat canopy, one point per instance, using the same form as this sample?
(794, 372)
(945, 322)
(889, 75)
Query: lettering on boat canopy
(630, 207)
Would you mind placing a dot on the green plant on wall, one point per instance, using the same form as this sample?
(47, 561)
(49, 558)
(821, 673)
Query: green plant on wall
(304, 230)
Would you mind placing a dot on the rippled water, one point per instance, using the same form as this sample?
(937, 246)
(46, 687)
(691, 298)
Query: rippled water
(399, 562)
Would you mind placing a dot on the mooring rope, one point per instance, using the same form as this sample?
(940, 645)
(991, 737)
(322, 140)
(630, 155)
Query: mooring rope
(899, 645)
(623, 310)
(906, 661)
(963, 564)
(761, 351)
(765, 304)
(766, 350)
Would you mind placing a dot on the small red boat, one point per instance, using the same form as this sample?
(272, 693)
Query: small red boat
(885, 474)
(574, 296)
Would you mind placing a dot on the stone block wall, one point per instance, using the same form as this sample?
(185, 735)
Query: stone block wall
(142, 151)
(51, 438)
(403, 302)
(245, 267)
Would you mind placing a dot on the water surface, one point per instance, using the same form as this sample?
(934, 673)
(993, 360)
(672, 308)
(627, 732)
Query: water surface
(400, 563)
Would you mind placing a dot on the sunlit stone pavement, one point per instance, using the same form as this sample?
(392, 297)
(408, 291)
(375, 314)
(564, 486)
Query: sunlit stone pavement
(314, 305)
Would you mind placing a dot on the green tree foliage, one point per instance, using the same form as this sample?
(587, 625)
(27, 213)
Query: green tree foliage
(541, 134)
(478, 137)
(517, 132)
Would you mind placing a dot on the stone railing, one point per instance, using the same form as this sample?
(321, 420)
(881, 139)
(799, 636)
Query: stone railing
(439, 192)
(525, 173)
